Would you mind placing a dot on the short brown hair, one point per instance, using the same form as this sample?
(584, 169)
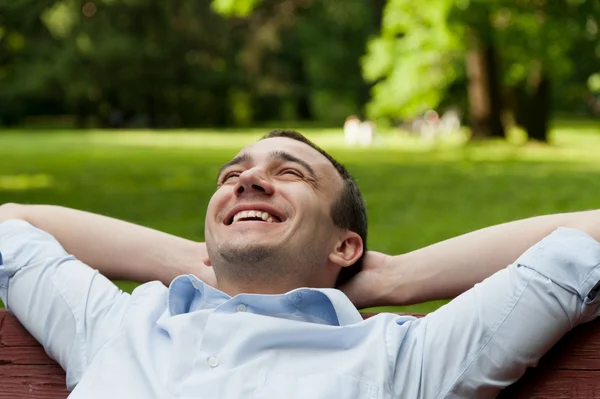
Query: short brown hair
(348, 211)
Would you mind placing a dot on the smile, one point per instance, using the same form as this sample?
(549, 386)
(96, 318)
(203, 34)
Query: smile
(254, 215)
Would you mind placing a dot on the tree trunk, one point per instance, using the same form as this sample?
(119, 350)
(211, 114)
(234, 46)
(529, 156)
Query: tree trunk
(532, 105)
(81, 115)
(303, 110)
(496, 126)
(539, 117)
(151, 111)
(485, 105)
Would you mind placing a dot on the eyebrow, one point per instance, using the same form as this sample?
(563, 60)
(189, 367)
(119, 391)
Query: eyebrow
(240, 159)
(279, 155)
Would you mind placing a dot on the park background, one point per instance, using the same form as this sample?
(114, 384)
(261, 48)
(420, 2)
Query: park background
(128, 107)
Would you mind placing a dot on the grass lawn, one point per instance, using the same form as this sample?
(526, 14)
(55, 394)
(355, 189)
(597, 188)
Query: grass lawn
(416, 193)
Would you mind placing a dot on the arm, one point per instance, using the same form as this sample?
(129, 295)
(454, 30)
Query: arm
(485, 339)
(118, 249)
(68, 307)
(448, 268)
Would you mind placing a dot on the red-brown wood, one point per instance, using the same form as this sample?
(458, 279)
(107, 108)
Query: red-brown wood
(25, 369)
(570, 370)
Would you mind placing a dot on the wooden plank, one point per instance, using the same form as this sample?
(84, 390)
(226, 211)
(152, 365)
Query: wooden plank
(578, 350)
(12, 333)
(34, 355)
(33, 384)
(10, 370)
(39, 388)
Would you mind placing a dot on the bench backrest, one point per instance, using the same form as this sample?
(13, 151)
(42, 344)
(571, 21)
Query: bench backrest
(570, 370)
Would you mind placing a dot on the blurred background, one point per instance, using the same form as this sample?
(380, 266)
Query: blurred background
(452, 114)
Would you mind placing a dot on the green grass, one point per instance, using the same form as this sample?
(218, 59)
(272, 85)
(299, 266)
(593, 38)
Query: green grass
(416, 193)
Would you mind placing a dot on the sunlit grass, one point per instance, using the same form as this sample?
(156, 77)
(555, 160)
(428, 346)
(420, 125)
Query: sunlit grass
(24, 182)
(417, 192)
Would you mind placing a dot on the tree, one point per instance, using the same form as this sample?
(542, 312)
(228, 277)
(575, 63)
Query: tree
(177, 63)
(483, 71)
(23, 38)
(304, 54)
(513, 50)
(538, 39)
(413, 61)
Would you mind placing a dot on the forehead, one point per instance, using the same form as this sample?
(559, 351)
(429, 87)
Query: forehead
(261, 150)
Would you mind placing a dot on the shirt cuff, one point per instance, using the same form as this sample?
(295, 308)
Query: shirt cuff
(568, 257)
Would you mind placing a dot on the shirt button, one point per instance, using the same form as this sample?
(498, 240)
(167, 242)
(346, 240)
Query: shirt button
(212, 361)
(240, 308)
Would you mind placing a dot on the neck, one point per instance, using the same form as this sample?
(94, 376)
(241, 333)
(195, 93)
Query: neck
(272, 286)
(233, 289)
(240, 272)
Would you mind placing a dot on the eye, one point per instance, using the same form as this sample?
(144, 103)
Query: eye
(291, 172)
(229, 176)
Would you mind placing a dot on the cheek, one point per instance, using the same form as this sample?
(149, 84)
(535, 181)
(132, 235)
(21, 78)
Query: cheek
(319, 212)
(217, 204)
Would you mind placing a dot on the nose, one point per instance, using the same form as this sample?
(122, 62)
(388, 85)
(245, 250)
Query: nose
(253, 181)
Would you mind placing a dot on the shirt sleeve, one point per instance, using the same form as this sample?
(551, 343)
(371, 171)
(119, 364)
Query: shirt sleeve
(485, 339)
(70, 308)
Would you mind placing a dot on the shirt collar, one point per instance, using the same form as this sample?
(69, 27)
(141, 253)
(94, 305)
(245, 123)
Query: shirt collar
(187, 294)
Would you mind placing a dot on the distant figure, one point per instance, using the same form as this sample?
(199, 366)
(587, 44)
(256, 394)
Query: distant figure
(450, 121)
(431, 126)
(366, 134)
(352, 128)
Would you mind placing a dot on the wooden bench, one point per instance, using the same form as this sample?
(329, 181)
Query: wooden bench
(570, 370)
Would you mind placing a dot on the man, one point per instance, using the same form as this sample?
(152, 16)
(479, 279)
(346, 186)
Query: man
(286, 216)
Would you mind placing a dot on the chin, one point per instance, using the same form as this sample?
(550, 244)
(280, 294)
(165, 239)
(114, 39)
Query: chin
(247, 252)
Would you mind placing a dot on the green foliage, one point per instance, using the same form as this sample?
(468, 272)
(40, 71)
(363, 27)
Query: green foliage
(173, 63)
(237, 62)
(594, 83)
(236, 8)
(415, 195)
(421, 49)
(412, 59)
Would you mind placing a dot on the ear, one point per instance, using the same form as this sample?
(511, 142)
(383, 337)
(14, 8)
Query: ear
(347, 250)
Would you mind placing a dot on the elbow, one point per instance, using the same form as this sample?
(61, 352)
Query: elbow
(11, 211)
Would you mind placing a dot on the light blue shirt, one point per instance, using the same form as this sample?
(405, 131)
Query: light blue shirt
(193, 341)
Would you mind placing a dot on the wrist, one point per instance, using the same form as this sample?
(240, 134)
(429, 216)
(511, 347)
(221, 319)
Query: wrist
(384, 282)
(395, 286)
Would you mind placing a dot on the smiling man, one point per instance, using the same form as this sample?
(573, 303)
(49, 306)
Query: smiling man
(286, 226)
(285, 215)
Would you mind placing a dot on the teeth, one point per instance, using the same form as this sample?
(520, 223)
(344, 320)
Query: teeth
(253, 214)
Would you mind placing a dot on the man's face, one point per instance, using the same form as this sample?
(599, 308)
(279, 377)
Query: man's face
(270, 216)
